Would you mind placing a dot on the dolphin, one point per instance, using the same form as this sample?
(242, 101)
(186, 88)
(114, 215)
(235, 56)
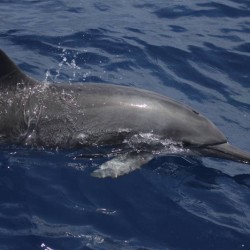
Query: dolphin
(134, 124)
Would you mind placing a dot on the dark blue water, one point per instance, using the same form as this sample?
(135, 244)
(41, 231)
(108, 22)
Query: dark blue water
(197, 52)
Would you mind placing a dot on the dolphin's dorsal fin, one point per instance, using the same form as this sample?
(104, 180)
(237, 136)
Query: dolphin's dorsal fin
(10, 74)
(7, 67)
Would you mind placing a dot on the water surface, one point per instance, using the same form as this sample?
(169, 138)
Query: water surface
(197, 52)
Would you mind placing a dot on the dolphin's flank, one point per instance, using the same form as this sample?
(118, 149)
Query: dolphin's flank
(137, 124)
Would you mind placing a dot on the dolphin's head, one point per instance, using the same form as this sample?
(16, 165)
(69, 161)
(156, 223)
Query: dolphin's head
(186, 125)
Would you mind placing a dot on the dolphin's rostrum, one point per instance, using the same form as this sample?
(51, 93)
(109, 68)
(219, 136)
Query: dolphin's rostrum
(138, 124)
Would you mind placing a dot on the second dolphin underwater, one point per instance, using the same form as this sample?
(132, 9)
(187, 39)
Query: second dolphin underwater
(139, 123)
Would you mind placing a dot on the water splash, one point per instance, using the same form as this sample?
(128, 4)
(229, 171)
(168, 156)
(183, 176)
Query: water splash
(158, 146)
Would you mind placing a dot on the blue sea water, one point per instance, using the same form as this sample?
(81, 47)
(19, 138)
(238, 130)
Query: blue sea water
(197, 52)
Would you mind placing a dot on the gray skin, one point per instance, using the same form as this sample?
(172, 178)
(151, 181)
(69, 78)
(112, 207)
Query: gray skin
(86, 115)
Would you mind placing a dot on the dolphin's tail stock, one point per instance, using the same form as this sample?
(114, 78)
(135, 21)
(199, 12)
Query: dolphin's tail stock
(227, 151)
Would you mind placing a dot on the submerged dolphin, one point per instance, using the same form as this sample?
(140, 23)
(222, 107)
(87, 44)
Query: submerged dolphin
(138, 124)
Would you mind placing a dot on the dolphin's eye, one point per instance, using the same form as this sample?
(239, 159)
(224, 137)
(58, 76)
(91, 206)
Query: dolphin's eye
(196, 112)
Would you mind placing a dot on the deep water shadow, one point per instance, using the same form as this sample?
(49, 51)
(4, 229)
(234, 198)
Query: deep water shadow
(53, 195)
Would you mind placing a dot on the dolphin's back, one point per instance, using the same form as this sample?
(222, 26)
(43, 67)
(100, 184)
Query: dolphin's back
(110, 112)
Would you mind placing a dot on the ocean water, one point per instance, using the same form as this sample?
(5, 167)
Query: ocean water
(197, 52)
